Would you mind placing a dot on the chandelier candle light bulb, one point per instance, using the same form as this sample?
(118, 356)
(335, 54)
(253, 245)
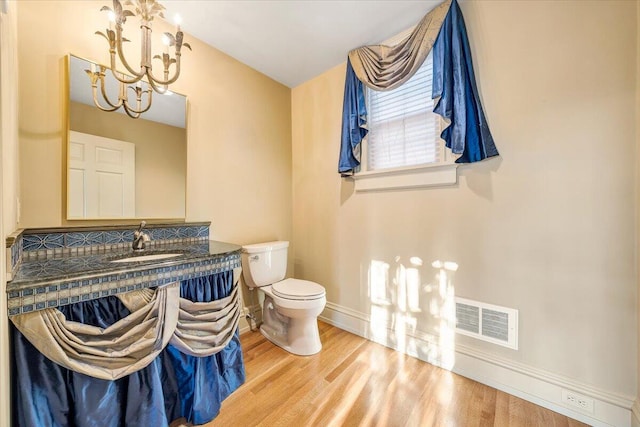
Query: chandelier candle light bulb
(112, 19)
(146, 10)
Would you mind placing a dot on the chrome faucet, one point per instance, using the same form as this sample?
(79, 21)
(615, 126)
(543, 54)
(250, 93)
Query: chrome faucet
(140, 238)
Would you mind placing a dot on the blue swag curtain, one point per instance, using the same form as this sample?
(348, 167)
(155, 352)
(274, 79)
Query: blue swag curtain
(453, 82)
(172, 386)
(354, 121)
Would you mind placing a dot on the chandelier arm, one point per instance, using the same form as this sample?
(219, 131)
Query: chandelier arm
(149, 93)
(132, 114)
(137, 75)
(138, 101)
(103, 91)
(166, 81)
(97, 103)
(121, 78)
(158, 88)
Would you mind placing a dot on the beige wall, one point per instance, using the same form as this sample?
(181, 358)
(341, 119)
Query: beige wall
(9, 183)
(548, 228)
(161, 157)
(10, 159)
(239, 126)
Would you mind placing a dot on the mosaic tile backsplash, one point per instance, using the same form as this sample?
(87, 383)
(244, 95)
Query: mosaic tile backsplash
(85, 242)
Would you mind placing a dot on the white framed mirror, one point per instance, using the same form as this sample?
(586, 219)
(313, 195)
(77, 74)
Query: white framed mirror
(119, 167)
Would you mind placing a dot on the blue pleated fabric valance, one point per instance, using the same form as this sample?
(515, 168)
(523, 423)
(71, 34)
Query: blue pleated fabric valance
(453, 83)
(175, 385)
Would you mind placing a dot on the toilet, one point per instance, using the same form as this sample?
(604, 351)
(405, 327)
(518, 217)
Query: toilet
(291, 306)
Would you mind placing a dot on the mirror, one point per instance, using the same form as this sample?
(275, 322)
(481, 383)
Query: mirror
(119, 167)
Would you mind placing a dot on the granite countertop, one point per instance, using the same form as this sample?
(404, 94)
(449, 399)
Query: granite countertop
(33, 273)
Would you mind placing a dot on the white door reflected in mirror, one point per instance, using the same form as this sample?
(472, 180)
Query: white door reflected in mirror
(101, 176)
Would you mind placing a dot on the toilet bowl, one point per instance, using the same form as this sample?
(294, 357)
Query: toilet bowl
(291, 306)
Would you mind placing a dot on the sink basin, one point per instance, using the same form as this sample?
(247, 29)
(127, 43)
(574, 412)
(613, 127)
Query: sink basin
(151, 257)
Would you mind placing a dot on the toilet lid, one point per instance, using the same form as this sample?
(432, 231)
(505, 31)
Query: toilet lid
(297, 289)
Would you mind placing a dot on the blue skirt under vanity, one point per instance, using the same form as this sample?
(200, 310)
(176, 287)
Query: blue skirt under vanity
(174, 385)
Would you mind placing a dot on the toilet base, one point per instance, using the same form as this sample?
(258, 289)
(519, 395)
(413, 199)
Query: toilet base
(301, 337)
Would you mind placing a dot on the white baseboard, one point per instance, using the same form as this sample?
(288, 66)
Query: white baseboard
(244, 327)
(532, 384)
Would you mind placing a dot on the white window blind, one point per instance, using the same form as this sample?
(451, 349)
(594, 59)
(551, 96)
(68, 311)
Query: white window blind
(403, 130)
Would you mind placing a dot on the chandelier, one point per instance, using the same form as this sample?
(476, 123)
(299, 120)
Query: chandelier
(142, 82)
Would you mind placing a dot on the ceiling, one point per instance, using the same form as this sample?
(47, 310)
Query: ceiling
(293, 41)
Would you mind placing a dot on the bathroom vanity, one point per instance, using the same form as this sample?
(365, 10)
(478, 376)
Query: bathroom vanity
(64, 277)
(55, 267)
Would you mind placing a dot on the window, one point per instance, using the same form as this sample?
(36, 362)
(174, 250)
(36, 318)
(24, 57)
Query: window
(403, 129)
(403, 148)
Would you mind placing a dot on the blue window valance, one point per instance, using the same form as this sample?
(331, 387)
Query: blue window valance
(453, 83)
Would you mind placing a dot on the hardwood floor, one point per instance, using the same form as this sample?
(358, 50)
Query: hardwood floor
(355, 382)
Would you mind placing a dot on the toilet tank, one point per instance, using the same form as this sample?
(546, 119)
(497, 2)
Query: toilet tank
(264, 263)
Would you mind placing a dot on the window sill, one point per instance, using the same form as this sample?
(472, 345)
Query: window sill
(406, 178)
